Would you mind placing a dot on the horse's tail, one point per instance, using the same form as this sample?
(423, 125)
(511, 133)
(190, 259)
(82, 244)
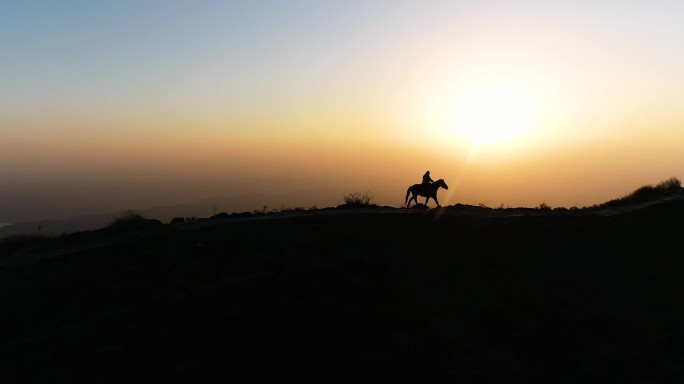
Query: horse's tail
(408, 191)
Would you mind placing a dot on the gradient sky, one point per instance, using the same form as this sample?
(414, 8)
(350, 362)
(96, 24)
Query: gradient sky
(110, 105)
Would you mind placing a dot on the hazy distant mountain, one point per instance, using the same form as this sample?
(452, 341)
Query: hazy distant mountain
(642, 197)
(200, 208)
(247, 202)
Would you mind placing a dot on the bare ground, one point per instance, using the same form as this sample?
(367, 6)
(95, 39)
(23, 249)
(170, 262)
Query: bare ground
(375, 294)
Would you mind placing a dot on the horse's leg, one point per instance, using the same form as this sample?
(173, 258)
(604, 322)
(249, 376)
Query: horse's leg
(436, 201)
(415, 199)
(426, 200)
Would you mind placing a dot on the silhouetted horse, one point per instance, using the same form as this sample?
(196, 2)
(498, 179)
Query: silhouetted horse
(425, 190)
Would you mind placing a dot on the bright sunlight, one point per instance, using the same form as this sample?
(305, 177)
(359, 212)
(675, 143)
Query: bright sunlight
(493, 114)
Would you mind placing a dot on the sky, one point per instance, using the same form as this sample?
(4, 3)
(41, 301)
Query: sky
(114, 105)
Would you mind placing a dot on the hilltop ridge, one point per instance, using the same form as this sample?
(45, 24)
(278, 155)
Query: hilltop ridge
(642, 197)
(362, 293)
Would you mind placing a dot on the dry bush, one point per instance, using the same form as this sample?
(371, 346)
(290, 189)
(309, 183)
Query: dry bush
(671, 183)
(648, 192)
(544, 207)
(127, 218)
(356, 198)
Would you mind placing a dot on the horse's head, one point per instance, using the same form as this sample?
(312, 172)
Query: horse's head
(441, 183)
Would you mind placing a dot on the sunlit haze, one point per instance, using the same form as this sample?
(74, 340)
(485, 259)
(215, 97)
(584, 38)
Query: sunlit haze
(107, 106)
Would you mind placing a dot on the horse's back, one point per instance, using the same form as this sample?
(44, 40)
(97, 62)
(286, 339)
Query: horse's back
(420, 189)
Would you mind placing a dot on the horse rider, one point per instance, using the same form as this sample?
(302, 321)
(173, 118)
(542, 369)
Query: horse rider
(427, 179)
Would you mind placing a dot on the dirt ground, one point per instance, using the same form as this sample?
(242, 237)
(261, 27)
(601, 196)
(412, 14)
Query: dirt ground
(463, 293)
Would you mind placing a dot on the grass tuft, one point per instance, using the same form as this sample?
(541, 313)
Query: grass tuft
(648, 192)
(356, 198)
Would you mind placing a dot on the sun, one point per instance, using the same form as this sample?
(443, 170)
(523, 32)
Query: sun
(493, 114)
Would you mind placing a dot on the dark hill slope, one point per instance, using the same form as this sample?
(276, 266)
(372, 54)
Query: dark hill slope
(395, 296)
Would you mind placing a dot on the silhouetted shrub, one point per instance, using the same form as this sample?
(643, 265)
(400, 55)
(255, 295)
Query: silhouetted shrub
(264, 210)
(544, 207)
(126, 218)
(177, 220)
(648, 192)
(357, 198)
(131, 219)
(669, 184)
(285, 209)
(221, 215)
